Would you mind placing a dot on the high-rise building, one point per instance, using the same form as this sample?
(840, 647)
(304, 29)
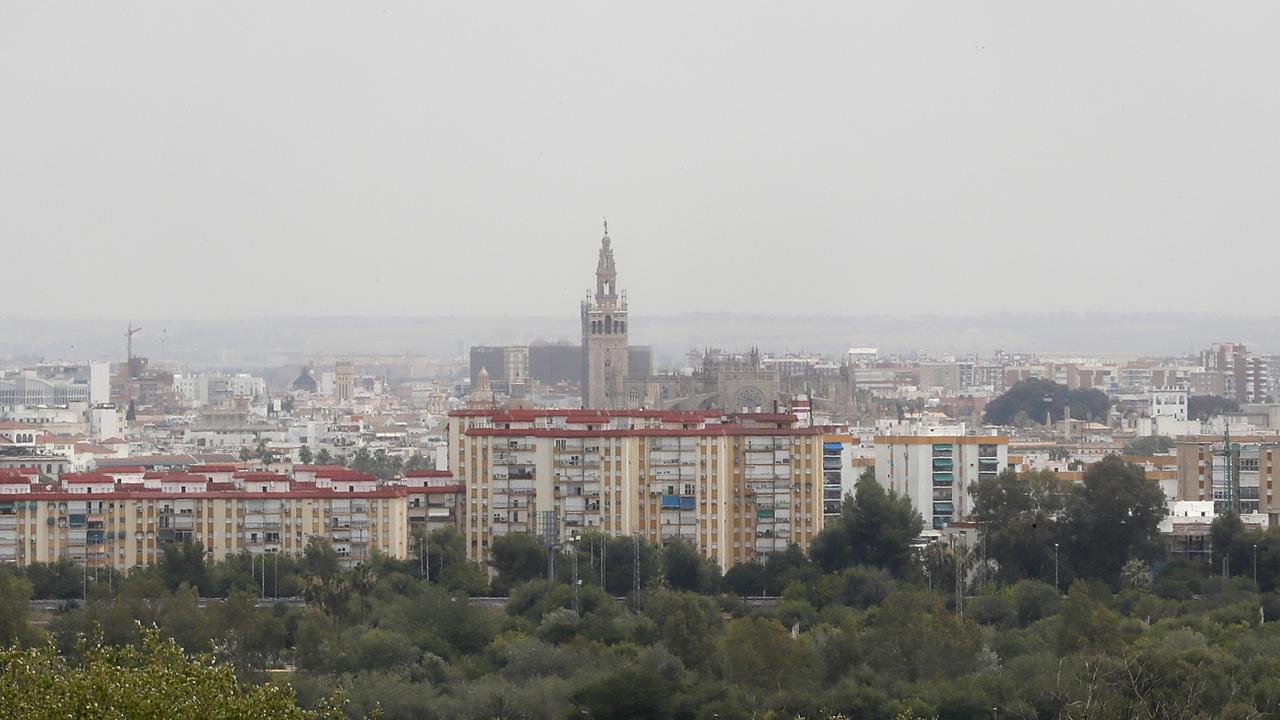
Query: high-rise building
(555, 363)
(737, 487)
(604, 336)
(344, 384)
(508, 365)
(935, 471)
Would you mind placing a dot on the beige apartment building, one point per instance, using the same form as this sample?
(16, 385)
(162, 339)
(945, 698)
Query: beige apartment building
(124, 519)
(736, 486)
(1247, 482)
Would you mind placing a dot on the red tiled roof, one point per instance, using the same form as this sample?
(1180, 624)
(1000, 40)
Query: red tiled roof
(581, 415)
(709, 431)
(436, 489)
(212, 468)
(87, 479)
(259, 475)
(764, 417)
(52, 492)
(428, 473)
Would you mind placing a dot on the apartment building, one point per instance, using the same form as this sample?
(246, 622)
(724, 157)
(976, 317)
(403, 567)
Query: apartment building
(123, 517)
(435, 499)
(1245, 479)
(737, 486)
(935, 471)
(839, 474)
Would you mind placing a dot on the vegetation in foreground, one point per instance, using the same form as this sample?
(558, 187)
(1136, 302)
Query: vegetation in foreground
(868, 627)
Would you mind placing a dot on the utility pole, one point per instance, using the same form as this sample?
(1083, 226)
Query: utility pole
(635, 573)
(574, 548)
(1056, 585)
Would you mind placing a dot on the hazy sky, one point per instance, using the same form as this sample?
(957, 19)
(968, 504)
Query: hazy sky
(314, 158)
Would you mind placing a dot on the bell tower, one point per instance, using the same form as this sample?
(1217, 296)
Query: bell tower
(604, 335)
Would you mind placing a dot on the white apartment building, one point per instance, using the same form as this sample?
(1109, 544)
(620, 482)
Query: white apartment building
(935, 471)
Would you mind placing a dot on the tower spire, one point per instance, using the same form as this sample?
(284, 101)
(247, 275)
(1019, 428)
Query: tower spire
(606, 273)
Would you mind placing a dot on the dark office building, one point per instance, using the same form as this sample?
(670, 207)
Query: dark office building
(553, 363)
(493, 359)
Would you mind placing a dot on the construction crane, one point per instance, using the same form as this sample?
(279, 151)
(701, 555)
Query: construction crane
(128, 367)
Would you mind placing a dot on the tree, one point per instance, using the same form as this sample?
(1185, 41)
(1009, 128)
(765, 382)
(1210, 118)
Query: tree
(517, 558)
(1038, 398)
(687, 569)
(631, 694)
(1113, 517)
(304, 455)
(687, 624)
(184, 563)
(153, 680)
(1204, 407)
(876, 527)
(15, 593)
(323, 457)
(760, 653)
(1152, 445)
(1019, 517)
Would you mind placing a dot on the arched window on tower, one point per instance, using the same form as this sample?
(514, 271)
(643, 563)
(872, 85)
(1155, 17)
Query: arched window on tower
(608, 324)
(622, 327)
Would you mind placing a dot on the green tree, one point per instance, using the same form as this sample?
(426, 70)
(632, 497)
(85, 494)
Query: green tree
(687, 624)
(304, 455)
(1019, 518)
(184, 563)
(687, 569)
(876, 527)
(517, 558)
(760, 653)
(1037, 399)
(1151, 445)
(154, 680)
(1113, 517)
(1205, 407)
(15, 593)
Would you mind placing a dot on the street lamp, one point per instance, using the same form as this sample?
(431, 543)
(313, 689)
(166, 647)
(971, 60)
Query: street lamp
(1056, 586)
